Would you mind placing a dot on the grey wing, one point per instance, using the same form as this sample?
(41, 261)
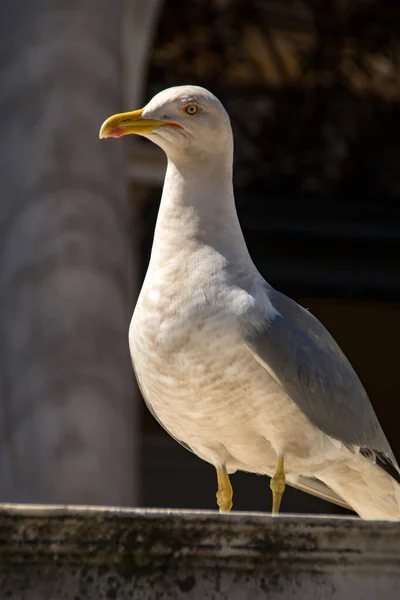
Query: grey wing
(303, 357)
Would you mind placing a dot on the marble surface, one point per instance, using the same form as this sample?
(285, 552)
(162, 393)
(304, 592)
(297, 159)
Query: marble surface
(96, 553)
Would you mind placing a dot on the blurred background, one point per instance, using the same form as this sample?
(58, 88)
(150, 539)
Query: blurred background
(313, 90)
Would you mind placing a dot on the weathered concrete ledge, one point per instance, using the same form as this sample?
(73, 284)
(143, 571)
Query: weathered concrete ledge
(83, 553)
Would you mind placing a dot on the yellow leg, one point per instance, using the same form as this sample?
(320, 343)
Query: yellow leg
(277, 486)
(225, 493)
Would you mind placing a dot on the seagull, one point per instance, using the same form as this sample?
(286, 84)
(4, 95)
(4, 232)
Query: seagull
(234, 370)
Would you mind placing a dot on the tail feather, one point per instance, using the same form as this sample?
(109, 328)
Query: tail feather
(365, 486)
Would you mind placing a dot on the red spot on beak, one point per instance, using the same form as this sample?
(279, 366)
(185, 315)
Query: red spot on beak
(116, 132)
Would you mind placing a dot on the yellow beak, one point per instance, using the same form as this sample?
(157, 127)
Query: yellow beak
(131, 123)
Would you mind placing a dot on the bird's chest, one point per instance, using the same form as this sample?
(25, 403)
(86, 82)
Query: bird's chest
(186, 359)
(182, 347)
(186, 320)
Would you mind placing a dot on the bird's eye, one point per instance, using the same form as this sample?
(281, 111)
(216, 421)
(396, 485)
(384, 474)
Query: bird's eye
(191, 109)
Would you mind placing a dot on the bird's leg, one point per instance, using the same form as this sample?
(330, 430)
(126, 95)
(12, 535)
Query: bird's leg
(225, 493)
(277, 486)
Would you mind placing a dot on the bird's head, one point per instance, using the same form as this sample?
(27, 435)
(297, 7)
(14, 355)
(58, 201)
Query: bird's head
(187, 122)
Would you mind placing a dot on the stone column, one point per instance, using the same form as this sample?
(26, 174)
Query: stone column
(67, 402)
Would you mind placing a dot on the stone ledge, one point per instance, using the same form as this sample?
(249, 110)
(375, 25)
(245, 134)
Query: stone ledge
(87, 553)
